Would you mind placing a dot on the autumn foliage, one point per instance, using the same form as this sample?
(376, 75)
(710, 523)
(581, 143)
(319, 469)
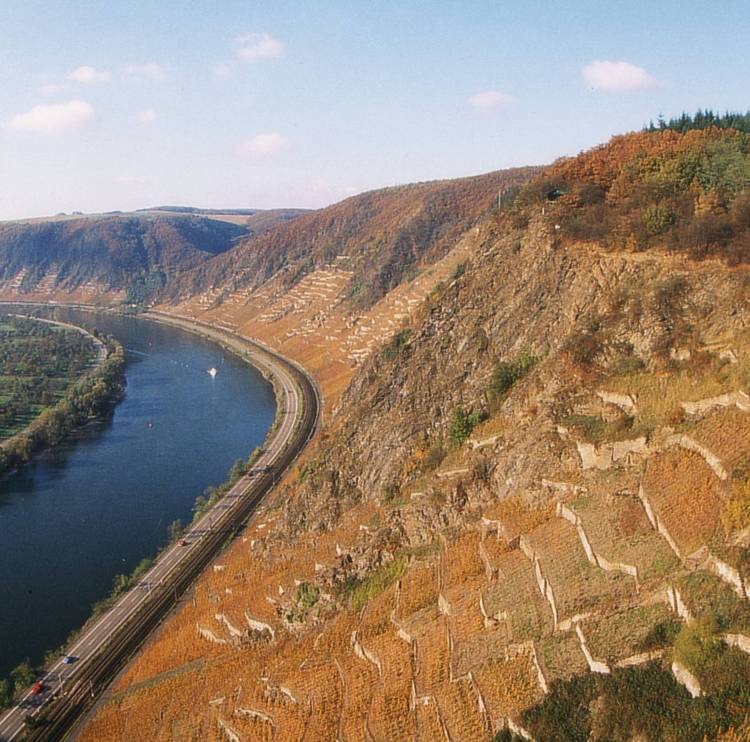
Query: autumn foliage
(687, 192)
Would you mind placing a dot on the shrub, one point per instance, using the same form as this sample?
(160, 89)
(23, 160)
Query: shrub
(507, 373)
(658, 219)
(657, 189)
(307, 595)
(592, 224)
(590, 193)
(584, 347)
(361, 590)
(6, 694)
(626, 364)
(644, 703)
(398, 342)
(661, 635)
(564, 715)
(696, 642)
(461, 425)
(540, 190)
(508, 197)
(22, 676)
(595, 429)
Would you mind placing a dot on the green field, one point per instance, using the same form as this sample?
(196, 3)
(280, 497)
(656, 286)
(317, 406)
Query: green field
(38, 364)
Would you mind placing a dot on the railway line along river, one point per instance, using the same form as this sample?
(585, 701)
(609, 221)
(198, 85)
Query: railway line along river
(95, 506)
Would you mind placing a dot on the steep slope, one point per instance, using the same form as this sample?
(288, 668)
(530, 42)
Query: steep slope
(529, 510)
(330, 287)
(105, 256)
(378, 236)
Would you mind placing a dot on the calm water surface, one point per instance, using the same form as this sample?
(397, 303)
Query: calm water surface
(95, 506)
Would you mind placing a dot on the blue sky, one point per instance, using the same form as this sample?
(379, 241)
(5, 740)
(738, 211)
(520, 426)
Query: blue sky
(122, 105)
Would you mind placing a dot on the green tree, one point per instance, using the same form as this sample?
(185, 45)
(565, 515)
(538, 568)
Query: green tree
(238, 470)
(175, 529)
(462, 423)
(22, 676)
(6, 693)
(507, 373)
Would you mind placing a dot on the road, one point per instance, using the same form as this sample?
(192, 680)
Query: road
(100, 651)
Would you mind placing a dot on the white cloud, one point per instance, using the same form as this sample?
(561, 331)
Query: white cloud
(148, 71)
(87, 75)
(147, 116)
(616, 76)
(258, 46)
(262, 145)
(488, 99)
(222, 69)
(50, 119)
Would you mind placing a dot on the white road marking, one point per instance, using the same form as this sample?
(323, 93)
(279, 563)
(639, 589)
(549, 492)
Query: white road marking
(12, 722)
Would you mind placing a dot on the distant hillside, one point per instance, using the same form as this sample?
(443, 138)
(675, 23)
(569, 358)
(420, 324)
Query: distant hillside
(262, 221)
(121, 253)
(380, 236)
(257, 221)
(198, 210)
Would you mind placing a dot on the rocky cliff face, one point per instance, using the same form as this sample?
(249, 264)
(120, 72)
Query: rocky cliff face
(527, 513)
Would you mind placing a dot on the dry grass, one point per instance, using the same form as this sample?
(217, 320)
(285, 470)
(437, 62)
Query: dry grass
(659, 396)
(686, 496)
(517, 516)
(419, 590)
(508, 686)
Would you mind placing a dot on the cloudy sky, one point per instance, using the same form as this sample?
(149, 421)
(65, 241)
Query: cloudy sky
(122, 105)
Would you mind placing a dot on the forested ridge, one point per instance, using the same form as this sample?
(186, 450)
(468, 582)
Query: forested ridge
(703, 119)
(681, 191)
(133, 254)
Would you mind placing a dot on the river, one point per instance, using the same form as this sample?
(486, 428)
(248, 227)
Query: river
(96, 505)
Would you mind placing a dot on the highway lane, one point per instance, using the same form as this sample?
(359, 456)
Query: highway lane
(62, 679)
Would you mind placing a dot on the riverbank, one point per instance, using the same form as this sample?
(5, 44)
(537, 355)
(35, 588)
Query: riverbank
(90, 397)
(105, 644)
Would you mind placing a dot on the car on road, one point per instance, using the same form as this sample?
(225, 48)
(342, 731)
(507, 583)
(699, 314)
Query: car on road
(69, 659)
(184, 542)
(37, 688)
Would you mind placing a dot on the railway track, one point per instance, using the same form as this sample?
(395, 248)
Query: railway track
(67, 698)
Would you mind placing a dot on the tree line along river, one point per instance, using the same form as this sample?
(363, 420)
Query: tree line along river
(96, 505)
